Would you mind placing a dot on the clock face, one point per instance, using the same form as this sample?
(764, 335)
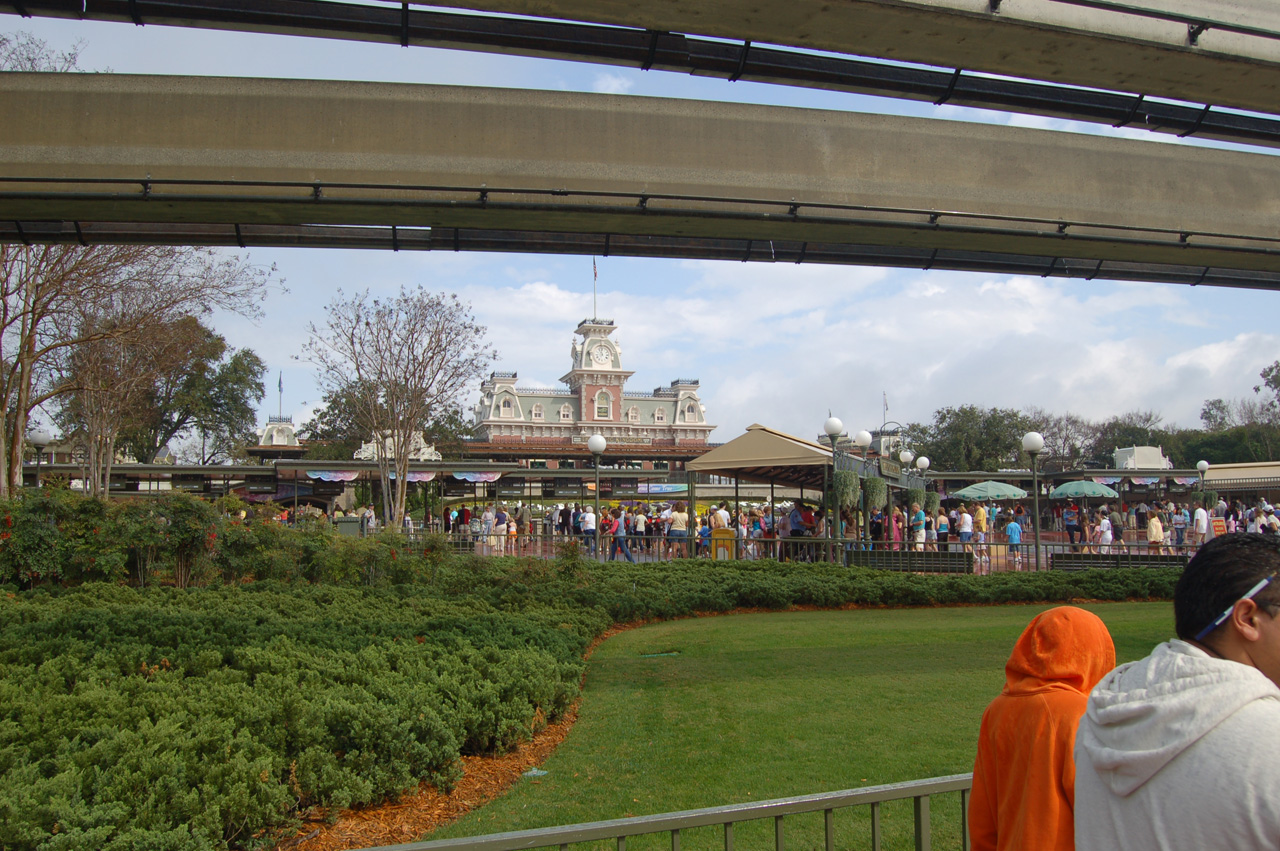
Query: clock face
(601, 354)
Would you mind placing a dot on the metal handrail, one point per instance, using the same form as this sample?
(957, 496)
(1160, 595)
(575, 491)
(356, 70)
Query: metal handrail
(725, 816)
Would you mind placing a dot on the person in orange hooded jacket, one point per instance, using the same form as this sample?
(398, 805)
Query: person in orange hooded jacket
(1024, 776)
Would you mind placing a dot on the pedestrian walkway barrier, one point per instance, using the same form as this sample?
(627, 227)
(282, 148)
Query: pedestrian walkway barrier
(949, 561)
(1124, 558)
(950, 557)
(724, 818)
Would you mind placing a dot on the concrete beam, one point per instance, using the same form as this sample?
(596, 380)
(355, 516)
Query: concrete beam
(1052, 40)
(101, 147)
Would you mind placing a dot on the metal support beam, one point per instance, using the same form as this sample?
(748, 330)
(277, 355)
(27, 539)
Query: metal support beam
(684, 54)
(117, 158)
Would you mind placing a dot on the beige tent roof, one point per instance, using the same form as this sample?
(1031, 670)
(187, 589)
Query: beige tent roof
(766, 455)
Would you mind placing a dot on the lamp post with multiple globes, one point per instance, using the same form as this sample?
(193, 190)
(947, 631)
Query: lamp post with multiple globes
(863, 441)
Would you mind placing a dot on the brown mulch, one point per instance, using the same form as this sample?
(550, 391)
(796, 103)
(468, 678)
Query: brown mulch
(417, 813)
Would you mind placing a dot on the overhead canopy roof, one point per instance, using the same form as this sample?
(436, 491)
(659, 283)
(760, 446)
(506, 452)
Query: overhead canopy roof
(766, 455)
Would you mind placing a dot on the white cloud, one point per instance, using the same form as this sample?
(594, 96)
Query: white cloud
(612, 84)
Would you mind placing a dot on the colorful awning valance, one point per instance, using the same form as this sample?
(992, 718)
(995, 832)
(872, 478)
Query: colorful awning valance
(477, 477)
(334, 475)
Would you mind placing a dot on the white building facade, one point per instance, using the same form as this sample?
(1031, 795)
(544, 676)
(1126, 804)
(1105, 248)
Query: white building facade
(594, 400)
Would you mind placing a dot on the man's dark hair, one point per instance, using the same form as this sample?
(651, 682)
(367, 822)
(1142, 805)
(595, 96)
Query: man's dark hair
(1223, 571)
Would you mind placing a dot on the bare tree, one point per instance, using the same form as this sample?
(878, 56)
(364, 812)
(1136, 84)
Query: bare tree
(400, 363)
(48, 292)
(1065, 437)
(105, 381)
(24, 52)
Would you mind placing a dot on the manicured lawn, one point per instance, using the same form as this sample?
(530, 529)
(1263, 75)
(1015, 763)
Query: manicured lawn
(752, 707)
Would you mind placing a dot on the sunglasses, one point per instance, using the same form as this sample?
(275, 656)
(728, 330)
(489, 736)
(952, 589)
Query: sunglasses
(1222, 618)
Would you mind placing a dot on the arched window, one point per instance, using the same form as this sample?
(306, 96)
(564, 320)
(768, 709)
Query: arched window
(507, 408)
(633, 414)
(566, 413)
(660, 416)
(537, 412)
(604, 406)
(691, 413)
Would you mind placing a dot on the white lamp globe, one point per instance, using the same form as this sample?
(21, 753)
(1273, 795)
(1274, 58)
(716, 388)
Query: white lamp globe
(1202, 466)
(922, 463)
(833, 427)
(905, 456)
(597, 444)
(863, 438)
(1032, 442)
(40, 438)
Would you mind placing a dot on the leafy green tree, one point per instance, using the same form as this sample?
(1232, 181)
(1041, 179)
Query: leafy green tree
(1234, 445)
(211, 393)
(971, 438)
(332, 433)
(1135, 428)
(1216, 415)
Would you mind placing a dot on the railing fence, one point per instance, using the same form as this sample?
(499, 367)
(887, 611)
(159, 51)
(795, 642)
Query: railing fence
(616, 832)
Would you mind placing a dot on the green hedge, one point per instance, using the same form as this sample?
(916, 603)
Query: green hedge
(154, 717)
(160, 718)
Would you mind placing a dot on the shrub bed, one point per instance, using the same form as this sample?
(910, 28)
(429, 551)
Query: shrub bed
(159, 718)
(276, 669)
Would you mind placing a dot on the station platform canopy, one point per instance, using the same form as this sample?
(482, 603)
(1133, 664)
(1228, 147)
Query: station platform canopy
(767, 455)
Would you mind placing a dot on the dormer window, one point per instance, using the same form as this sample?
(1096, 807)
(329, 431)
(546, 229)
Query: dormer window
(691, 413)
(633, 414)
(566, 413)
(660, 416)
(508, 410)
(537, 412)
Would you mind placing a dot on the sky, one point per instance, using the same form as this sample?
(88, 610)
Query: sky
(778, 344)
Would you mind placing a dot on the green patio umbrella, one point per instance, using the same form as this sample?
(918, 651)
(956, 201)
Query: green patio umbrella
(989, 490)
(1082, 490)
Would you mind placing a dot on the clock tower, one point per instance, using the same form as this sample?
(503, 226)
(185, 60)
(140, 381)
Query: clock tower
(597, 377)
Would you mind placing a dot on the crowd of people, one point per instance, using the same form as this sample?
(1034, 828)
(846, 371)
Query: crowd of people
(1169, 752)
(993, 530)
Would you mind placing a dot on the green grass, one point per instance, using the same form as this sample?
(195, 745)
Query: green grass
(764, 706)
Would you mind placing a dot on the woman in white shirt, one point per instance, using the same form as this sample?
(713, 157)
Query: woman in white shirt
(1104, 532)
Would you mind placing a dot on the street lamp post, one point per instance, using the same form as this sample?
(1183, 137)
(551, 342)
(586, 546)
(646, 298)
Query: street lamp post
(597, 444)
(834, 428)
(1202, 467)
(41, 438)
(905, 457)
(1033, 444)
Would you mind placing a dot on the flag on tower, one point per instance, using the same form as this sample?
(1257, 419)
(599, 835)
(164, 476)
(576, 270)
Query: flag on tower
(282, 381)
(595, 275)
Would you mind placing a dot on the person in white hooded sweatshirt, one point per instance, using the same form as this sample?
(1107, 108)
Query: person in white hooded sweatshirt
(1181, 750)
